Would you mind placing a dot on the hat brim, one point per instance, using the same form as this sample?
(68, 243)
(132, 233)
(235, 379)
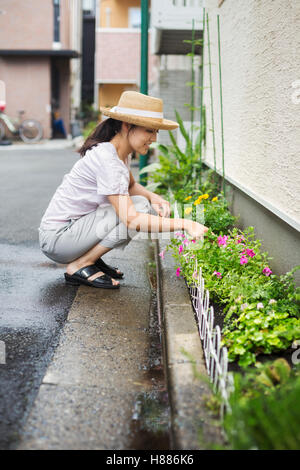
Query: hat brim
(151, 123)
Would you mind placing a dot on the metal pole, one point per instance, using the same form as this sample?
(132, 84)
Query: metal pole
(143, 159)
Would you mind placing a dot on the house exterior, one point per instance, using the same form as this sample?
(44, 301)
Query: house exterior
(260, 77)
(118, 42)
(40, 43)
(172, 22)
(117, 64)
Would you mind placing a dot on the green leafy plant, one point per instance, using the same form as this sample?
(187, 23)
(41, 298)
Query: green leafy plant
(89, 128)
(265, 409)
(176, 169)
(261, 309)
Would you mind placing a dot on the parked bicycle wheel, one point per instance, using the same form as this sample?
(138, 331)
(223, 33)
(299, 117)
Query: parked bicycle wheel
(31, 131)
(2, 130)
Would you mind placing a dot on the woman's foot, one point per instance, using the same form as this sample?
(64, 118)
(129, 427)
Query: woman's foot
(74, 267)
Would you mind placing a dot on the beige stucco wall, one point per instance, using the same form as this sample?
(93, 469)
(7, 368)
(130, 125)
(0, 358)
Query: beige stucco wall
(260, 62)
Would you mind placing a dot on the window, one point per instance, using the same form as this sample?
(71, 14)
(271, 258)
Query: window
(56, 8)
(134, 18)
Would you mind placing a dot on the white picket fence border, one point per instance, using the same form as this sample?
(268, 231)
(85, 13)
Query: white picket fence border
(216, 356)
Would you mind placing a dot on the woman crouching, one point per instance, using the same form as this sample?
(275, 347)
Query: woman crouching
(99, 205)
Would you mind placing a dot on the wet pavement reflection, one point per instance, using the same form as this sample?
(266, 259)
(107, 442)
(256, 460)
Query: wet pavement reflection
(34, 300)
(34, 303)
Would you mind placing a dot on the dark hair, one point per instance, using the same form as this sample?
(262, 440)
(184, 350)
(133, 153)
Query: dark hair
(104, 132)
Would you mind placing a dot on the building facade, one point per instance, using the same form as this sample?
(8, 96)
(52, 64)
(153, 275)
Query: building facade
(172, 23)
(40, 44)
(118, 42)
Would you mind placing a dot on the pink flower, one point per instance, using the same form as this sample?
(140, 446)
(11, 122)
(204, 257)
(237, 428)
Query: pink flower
(267, 271)
(250, 253)
(222, 240)
(179, 234)
(180, 249)
(162, 254)
(195, 275)
(178, 272)
(216, 273)
(241, 239)
(259, 305)
(243, 260)
(186, 241)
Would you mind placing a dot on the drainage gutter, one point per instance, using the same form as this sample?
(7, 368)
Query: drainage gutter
(193, 425)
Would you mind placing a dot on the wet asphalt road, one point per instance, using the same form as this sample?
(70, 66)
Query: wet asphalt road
(34, 300)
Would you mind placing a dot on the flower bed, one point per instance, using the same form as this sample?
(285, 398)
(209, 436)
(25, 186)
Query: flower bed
(261, 309)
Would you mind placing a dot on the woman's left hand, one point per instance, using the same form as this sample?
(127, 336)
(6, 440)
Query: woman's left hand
(161, 206)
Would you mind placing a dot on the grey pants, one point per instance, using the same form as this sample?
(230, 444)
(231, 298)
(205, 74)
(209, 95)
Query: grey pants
(68, 242)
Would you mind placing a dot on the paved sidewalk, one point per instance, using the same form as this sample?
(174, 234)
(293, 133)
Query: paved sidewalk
(100, 366)
(46, 144)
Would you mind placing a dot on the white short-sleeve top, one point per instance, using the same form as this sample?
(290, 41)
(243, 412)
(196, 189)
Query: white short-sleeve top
(97, 175)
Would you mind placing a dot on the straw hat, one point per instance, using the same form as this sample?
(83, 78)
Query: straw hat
(139, 109)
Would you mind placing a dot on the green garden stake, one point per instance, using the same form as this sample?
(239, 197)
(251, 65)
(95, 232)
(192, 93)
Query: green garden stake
(211, 95)
(201, 98)
(221, 101)
(193, 82)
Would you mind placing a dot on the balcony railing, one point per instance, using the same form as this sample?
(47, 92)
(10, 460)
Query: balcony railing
(172, 22)
(176, 14)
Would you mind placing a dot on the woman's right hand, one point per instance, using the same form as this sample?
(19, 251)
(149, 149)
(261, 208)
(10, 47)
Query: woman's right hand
(196, 230)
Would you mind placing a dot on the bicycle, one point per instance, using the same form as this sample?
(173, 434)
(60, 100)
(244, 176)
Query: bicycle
(29, 130)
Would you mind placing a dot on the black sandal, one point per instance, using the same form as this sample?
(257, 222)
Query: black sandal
(81, 277)
(110, 270)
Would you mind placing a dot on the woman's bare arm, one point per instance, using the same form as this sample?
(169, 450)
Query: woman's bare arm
(161, 206)
(139, 221)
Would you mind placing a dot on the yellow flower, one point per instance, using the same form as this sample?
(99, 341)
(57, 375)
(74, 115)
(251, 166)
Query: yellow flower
(205, 196)
(187, 198)
(198, 201)
(188, 210)
(214, 199)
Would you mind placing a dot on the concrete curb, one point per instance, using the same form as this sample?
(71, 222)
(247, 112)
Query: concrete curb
(193, 426)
